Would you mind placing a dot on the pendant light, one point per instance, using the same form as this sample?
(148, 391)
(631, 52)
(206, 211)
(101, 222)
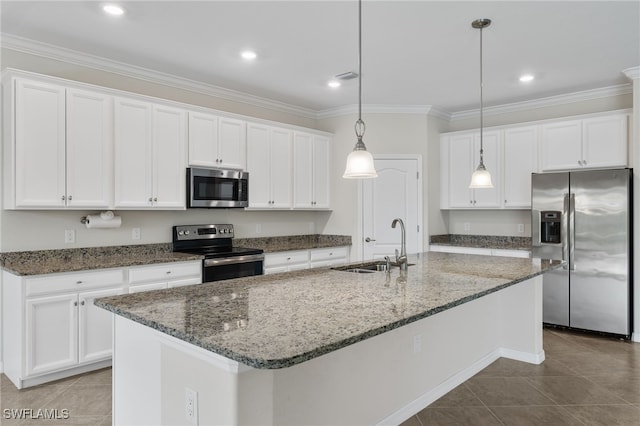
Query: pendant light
(481, 177)
(360, 161)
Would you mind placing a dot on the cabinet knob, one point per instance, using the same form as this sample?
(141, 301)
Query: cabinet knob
(155, 200)
(70, 197)
(288, 258)
(470, 201)
(64, 198)
(505, 201)
(78, 282)
(150, 199)
(75, 303)
(368, 240)
(584, 162)
(168, 272)
(82, 303)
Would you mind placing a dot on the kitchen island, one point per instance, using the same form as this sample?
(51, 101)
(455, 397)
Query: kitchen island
(322, 346)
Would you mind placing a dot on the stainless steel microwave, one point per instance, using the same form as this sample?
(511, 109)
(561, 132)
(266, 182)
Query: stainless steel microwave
(213, 188)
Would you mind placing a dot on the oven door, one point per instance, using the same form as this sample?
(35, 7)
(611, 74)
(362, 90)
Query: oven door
(208, 188)
(225, 268)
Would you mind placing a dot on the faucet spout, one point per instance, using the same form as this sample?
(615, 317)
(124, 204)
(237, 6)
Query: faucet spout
(402, 258)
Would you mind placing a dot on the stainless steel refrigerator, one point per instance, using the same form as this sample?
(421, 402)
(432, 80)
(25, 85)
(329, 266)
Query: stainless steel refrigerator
(585, 218)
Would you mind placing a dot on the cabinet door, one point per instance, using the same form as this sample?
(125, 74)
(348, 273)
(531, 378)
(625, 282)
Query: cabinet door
(520, 160)
(258, 166)
(303, 163)
(52, 333)
(89, 149)
(460, 169)
(169, 167)
(39, 145)
(94, 327)
(281, 172)
(232, 143)
(132, 154)
(561, 145)
(605, 141)
(203, 140)
(488, 197)
(321, 175)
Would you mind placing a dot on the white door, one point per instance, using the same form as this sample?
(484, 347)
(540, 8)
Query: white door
(232, 142)
(460, 169)
(321, 177)
(605, 141)
(302, 171)
(562, 145)
(95, 327)
(203, 140)
(393, 194)
(488, 197)
(281, 173)
(520, 160)
(258, 166)
(169, 167)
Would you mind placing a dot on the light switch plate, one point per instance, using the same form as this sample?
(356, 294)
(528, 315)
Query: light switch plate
(69, 236)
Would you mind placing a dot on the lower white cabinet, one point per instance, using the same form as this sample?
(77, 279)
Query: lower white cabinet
(480, 251)
(165, 275)
(295, 260)
(51, 328)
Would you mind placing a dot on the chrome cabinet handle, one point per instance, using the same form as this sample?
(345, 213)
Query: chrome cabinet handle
(155, 200)
(368, 240)
(70, 197)
(150, 199)
(78, 282)
(82, 303)
(75, 303)
(64, 198)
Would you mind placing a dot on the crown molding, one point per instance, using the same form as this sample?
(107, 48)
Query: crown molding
(586, 95)
(49, 51)
(632, 73)
(379, 109)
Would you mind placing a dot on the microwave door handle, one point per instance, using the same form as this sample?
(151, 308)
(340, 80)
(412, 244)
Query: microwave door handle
(536, 229)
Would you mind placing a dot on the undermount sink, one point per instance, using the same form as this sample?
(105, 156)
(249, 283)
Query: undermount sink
(367, 268)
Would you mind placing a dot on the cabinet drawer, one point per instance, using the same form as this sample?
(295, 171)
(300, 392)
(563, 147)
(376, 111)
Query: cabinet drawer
(331, 253)
(164, 272)
(286, 258)
(73, 281)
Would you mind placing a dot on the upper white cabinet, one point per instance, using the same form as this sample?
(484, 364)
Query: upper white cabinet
(460, 155)
(269, 165)
(216, 141)
(310, 171)
(149, 160)
(594, 142)
(512, 153)
(60, 149)
(520, 160)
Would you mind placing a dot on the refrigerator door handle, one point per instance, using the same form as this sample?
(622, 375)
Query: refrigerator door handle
(572, 231)
(564, 230)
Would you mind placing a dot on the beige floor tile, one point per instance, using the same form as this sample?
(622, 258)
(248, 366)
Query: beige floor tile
(85, 400)
(413, 421)
(535, 416)
(622, 385)
(458, 397)
(606, 415)
(574, 391)
(504, 367)
(99, 377)
(477, 416)
(506, 391)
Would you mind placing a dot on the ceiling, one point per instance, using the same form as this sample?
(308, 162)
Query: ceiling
(415, 53)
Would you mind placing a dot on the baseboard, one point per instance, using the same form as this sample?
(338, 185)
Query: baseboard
(635, 337)
(447, 386)
(1, 367)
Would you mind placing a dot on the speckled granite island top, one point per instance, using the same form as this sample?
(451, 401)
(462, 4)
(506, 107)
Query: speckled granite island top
(83, 259)
(276, 321)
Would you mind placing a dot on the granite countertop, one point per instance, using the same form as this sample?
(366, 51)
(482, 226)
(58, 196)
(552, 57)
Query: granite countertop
(276, 321)
(71, 260)
(482, 241)
(294, 242)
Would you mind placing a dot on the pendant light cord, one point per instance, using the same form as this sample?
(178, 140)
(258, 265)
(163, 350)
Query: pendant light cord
(360, 127)
(481, 103)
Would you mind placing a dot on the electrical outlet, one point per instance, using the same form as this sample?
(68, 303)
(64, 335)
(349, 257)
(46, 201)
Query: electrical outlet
(69, 236)
(467, 226)
(191, 406)
(521, 228)
(135, 234)
(417, 343)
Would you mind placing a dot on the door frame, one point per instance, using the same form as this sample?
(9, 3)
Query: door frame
(360, 214)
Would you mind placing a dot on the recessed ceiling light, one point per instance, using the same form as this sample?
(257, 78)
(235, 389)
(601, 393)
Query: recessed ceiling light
(334, 84)
(248, 55)
(113, 9)
(526, 78)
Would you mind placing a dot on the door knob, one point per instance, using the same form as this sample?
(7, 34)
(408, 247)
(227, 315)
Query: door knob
(368, 239)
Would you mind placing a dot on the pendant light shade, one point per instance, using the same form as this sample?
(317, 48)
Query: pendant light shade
(481, 178)
(360, 162)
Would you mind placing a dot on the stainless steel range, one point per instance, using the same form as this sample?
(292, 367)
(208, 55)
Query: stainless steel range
(222, 260)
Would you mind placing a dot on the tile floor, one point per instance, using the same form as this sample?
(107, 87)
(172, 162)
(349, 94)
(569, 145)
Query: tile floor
(585, 380)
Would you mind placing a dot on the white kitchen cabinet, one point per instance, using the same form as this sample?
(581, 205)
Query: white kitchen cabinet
(269, 165)
(216, 141)
(311, 180)
(593, 142)
(150, 168)
(325, 257)
(51, 328)
(165, 275)
(286, 261)
(63, 148)
(460, 155)
(520, 159)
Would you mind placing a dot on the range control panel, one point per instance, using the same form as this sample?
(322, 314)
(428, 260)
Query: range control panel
(202, 232)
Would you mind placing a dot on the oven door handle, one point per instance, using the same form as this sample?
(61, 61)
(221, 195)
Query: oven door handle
(234, 260)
